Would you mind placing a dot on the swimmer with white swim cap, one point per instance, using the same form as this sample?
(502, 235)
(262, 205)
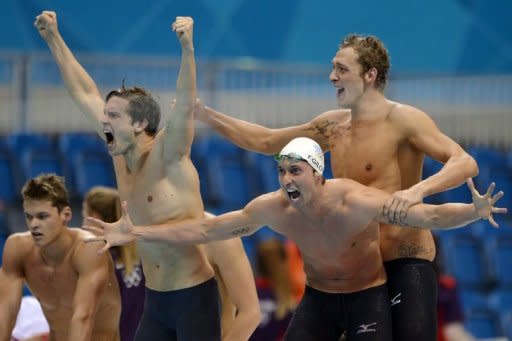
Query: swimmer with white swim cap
(335, 224)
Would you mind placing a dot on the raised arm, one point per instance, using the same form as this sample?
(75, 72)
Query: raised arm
(424, 135)
(265, 140)
(80, 85)
(11, 287)
(93, 277)
(180, 123)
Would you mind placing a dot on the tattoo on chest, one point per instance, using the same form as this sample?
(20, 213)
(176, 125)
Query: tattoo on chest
(412, 250)
(240, 231)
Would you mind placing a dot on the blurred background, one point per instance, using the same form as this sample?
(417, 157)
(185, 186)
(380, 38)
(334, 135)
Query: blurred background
(268, 62)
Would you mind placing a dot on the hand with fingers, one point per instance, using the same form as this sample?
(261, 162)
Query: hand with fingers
(113, 234)
(46, 24)
(484, 204)
(398, 204)
(183, 26)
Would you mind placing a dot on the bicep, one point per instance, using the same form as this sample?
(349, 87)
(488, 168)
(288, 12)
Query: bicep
(11, 289)
(179, 133)
(93, 275)
(424, 134)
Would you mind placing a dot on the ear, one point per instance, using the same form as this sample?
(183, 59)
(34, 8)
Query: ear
(140, 126)
(371, 75)
(66, 215)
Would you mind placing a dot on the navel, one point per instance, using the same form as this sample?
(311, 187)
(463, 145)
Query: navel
(150, 198)
(368, 167)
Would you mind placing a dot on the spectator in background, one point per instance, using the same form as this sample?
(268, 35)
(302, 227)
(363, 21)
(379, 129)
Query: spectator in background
(273, 283)
(103, 203)
(449, 311)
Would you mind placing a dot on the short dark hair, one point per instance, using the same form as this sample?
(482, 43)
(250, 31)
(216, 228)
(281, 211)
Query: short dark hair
(371, 53)
(48, 187)
(141, 106)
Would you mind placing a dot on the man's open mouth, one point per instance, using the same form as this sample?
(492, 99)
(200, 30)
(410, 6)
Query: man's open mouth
(109, 137)
(293, 194)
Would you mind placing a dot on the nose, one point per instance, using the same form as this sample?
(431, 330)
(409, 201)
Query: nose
(332, 76)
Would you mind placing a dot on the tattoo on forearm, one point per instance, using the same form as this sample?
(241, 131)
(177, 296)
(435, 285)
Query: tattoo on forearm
(412, 250)
(240, 231)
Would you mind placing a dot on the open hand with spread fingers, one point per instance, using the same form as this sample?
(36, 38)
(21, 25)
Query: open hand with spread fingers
(484, 204)
(113, 234)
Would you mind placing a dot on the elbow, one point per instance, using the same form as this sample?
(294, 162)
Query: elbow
(471, 166)
(83, 316)
(267, 144)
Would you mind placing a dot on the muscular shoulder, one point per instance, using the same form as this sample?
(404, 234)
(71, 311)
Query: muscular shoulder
(21, 242)
(16, 249)
(85, 253)
(407, 117)
(263, 207)
(336, 115)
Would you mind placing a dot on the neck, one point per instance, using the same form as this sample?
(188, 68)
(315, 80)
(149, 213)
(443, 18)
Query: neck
(54, 252)
(136, 156)
(316, 207)
(369, 105)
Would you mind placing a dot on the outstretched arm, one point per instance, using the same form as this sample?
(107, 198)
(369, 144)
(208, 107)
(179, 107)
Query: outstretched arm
(80, 85)
(454, 214)
(369, 202)
(180, 123)
(423, 134)
(191, 231)
(11, 287)
(265, 140)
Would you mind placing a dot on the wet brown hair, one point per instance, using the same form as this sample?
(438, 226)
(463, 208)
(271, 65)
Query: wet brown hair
(47, 187)
(141, 106)
(371, 54)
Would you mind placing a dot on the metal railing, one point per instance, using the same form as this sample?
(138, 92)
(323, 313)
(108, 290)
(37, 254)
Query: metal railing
(470, 109)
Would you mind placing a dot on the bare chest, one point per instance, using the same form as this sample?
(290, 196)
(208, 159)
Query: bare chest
(157, 194)
(54, 286)
(364, 153)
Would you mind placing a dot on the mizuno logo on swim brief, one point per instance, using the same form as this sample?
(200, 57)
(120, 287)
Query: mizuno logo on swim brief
(367, 328)
(395, 300)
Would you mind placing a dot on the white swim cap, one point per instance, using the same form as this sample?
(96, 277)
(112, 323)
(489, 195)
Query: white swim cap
(304, 148)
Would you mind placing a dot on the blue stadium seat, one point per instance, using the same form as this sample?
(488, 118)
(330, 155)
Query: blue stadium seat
(506, 323)
(21, 143)
(498, 247)
(8, 185)
(199, 157)
(464, 258)
(227, 175)
(92, 168)
(483, 323)
(263, 171)
(37, 161)
(71, 146)
(501, 301)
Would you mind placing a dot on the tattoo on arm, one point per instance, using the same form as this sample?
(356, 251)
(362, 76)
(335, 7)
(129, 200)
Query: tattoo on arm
(324, 128)
(240, 231)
